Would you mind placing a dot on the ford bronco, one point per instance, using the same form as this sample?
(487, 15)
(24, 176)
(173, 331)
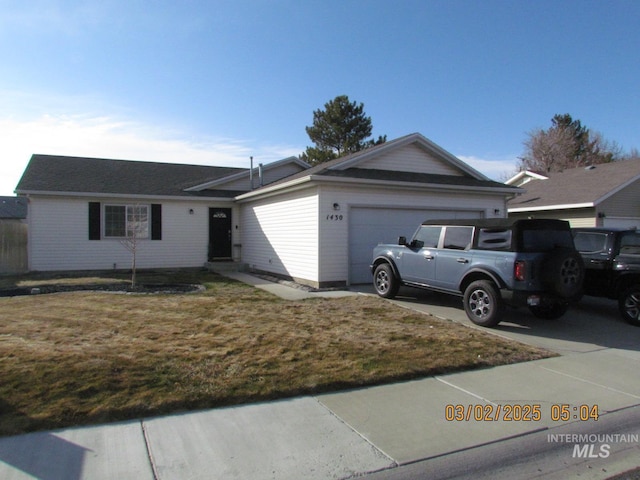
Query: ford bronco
(489, 263)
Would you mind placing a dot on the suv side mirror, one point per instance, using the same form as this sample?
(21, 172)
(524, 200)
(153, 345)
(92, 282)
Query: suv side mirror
(402, 241)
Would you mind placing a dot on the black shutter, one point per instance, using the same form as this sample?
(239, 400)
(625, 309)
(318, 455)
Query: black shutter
(94, 220)
(156, 221)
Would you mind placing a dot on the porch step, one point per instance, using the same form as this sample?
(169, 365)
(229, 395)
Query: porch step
(224, 267)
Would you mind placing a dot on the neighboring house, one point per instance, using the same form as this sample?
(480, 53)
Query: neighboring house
(13, 235)
(604, 195)
(315, 225)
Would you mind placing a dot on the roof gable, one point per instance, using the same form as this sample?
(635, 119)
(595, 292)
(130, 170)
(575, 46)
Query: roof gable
(271, 172)
(411, 153)
(577, 187)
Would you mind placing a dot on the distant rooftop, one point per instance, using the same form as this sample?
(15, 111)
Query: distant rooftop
(13, 207)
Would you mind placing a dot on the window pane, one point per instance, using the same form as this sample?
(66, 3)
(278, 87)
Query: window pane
(590, 242)
(428, 236)
(114, 221)
(458, 238)
(137, 221)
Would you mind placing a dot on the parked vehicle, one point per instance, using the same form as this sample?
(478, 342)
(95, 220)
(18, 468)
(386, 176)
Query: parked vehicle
(489, 263)
(612, 261)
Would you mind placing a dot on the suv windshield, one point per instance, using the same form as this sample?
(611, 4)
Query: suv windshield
(545, 240)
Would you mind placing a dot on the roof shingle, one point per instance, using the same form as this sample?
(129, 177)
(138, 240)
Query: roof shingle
(51, 173)
(577, 185)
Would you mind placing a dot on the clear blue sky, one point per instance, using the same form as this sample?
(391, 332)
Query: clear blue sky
(214, 82)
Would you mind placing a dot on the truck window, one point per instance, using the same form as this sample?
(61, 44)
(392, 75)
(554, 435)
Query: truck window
(494, 238)
(427, 236)
(630, 244)
(458, 238)
(588, 242)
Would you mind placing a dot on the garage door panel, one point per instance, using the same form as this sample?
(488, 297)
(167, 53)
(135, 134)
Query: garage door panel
(370, 226)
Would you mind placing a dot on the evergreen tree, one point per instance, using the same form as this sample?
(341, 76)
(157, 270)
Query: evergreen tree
(340, 129)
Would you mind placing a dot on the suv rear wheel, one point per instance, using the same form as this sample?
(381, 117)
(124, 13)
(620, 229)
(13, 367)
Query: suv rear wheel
(629, 305)
(385, 282)
(483, 303)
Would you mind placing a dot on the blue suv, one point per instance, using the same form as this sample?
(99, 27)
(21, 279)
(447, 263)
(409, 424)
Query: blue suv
(489, 263)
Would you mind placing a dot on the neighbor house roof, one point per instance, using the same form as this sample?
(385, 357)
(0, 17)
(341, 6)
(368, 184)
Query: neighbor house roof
(80, 175)
(577, 187)
(13, 208)
(346, 168)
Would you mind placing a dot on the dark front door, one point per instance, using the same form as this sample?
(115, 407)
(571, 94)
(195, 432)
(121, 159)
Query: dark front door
(219, 233)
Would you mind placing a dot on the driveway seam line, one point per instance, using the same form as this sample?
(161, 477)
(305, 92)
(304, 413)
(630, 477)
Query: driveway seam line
(147, 445)
(465, 391)
(590, 382)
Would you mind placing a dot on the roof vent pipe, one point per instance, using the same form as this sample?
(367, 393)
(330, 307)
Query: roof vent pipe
(251, 174)
(260, 175)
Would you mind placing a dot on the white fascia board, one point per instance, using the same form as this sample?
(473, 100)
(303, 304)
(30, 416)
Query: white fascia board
(275, 188)
(568, 206)
(31, 193)
(414, 185)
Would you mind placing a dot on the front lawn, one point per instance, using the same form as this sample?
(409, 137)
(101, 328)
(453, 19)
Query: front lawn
(88, 357)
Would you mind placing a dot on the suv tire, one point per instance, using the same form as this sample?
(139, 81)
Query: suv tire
(385, 282)
(629, 305)
(563, 272)
(483, 303)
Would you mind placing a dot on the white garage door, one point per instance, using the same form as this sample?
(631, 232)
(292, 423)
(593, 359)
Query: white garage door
(370, 226)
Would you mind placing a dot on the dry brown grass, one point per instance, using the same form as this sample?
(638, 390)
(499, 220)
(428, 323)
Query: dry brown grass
(85, 357)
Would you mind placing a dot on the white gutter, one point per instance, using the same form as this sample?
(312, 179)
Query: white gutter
(29, 193)
(552, 207)
(361, 181)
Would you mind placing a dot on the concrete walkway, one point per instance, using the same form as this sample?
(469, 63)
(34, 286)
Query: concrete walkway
(346, 434)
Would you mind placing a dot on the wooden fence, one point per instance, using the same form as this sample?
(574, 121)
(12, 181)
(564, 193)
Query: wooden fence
(13, 247)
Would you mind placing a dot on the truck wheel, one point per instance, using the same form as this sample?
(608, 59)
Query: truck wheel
(385, 282)
(629, 305)
(550, 311)
(483, 303)
(563, 272)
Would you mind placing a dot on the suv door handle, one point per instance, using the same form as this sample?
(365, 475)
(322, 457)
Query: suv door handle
(462, 260)
(428, 257)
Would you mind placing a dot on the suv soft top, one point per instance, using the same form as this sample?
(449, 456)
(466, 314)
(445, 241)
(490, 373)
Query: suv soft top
(531, 223)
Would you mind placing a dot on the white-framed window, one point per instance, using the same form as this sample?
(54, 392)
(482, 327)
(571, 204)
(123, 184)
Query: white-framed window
(126, 221)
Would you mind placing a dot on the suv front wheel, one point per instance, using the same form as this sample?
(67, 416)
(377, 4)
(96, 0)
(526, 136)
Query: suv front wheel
(385, 282)
(483, 303)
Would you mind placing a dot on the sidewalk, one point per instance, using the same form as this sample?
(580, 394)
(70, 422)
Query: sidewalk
(337, 435)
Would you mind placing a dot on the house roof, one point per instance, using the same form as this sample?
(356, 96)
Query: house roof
(346, 168)
(13, 207)
(576, 187)
(60, 174)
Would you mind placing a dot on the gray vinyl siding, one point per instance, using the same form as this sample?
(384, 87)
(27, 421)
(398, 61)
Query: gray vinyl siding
(625, 203)
(411, 158)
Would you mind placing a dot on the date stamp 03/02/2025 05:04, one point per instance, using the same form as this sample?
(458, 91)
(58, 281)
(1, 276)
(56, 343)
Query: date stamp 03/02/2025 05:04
(516, 412)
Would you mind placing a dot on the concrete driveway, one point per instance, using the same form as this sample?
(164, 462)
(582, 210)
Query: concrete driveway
(594, 324)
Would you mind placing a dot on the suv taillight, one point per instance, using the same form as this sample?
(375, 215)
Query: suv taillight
(520, 270)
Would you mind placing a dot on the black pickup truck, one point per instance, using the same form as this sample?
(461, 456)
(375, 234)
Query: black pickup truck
(612, 261)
